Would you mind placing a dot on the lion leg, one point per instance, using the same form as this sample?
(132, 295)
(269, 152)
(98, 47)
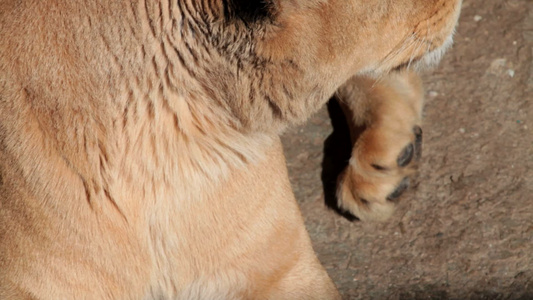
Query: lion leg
(306, 280)
(384, 116)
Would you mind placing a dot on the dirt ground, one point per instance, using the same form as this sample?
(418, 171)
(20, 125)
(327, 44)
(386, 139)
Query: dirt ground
(464, 230)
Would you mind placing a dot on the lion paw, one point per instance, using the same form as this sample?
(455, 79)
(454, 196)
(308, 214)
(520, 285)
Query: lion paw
(386, 147)
(378, 174)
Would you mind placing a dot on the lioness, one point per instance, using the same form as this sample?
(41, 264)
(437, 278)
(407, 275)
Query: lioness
(139, 149)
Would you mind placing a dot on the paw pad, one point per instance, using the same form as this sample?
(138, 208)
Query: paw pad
(404, 184)
(406, 155)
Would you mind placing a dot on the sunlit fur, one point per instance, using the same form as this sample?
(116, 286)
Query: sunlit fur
(139, 148)
(392, 108)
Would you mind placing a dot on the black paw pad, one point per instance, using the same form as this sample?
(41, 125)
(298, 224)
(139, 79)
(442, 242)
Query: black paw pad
(404, 184)
(406, 156)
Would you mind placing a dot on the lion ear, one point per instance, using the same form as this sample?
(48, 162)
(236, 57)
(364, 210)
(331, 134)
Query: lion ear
(251, 11)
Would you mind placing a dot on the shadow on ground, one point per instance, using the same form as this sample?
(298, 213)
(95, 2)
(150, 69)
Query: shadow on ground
(337, 152)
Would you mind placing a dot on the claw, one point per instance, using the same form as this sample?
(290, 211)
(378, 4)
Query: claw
(404, 184)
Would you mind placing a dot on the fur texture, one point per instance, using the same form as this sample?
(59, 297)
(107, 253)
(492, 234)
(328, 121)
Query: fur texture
(139, 149)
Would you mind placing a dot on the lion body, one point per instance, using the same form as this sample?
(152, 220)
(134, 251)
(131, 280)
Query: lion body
(139, 149)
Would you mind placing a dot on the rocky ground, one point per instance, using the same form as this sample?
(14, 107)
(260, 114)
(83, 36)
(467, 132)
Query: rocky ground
(464, 230)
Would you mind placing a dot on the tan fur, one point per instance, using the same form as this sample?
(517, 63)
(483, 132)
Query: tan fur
(393, 108)
(139, 149)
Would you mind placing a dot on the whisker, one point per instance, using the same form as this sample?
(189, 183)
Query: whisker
(419, 44)
(407, 42)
